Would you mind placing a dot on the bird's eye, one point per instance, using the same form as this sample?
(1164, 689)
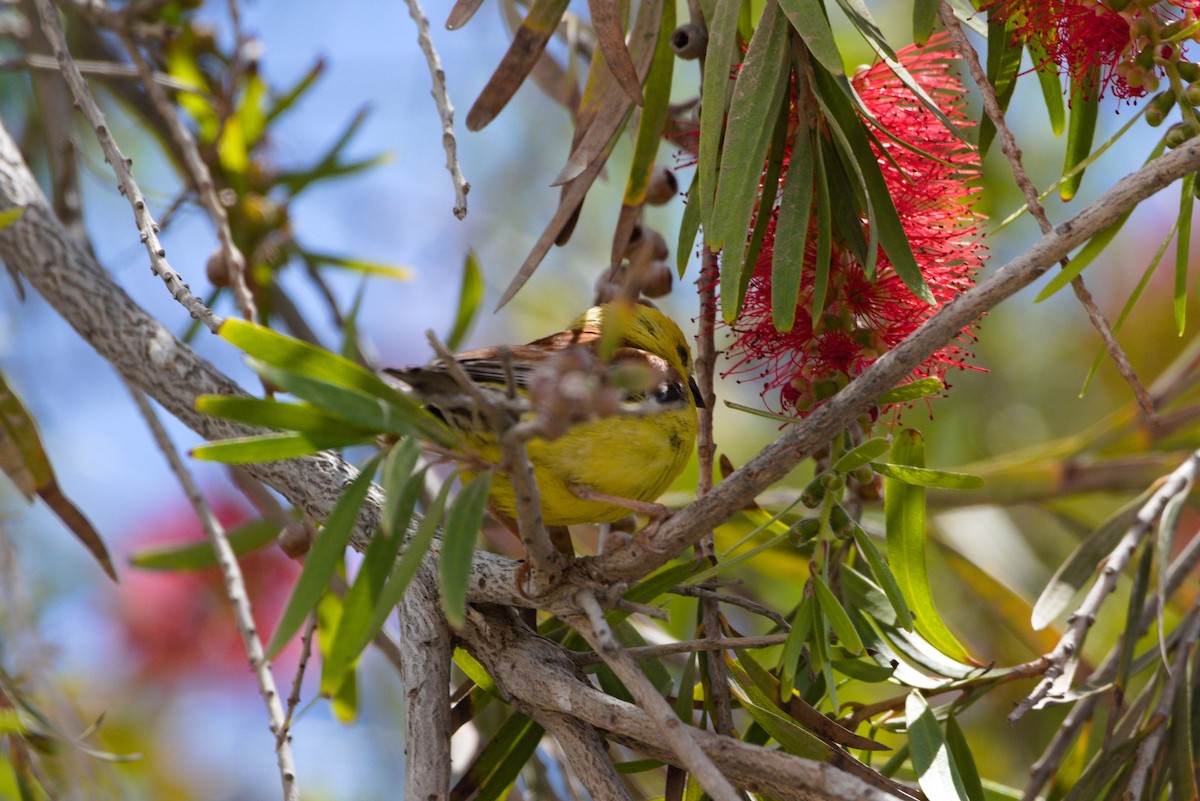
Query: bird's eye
(684, 355)
(668, 392)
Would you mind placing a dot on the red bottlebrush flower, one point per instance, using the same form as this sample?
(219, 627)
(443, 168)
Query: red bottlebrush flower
(864, 318)
(1095, 46)
(180, 625)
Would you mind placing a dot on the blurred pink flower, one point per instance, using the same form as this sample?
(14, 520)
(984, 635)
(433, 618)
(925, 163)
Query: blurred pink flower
(180, 625)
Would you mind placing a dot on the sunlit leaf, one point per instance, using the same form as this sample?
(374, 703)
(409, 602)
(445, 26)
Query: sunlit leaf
(281, 416)
(866, 452)
(792, 232)
(937, 773)
(913, 390)
(1081, 128)
(839, 621)
(926, 477)
(360, 265)
(791, 737)
(1183, 249)
(719, 58)
(269, 447)
(883, 575)
(904, 509)
(463, 522)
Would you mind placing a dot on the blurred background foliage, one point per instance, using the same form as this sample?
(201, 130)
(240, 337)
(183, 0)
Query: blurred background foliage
(337, 196)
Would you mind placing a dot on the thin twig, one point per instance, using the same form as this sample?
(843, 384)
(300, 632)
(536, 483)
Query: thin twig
(201, 178)
(733, 600)
(101, 69)
(122, 169)
(1008, 144)
(235, 591)
(1060, 662)
(293, 701)
(1148, 751)
(678, 737)
(445, 109)
(644, 652)
(1047, 764)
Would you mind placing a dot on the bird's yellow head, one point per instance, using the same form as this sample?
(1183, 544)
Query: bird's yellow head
(646, 328)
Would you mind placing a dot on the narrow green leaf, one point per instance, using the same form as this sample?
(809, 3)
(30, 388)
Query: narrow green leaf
(904, 510)
(791, 737)
(403, 418)
(503, 757)
(866, 452)
(792, 231)
(863, 670)
(757, 96)
(883, 574)
(353, 630)
(722, 50)
(463, 522)
(964, 760)
(808, 19)
(860, 17)
(685, 694)
(323, 558)
(913, 390)
(1168, 527)
(789, 660)
(766, 203)
(1079, 567)
(199, 555)
(937, 773)
(410, 561)
(269, 447)
(1051, 85)
(1085, 109)
(821, 264)
(657, 99)
(925, 477)
(470, 298)
(317, 364)
(925, 14)
(1181, 739)
(280, 416)
(1183, 245)
(884, 220)
(689, 226)
(839, 621)
(10, 216)
(863, 594)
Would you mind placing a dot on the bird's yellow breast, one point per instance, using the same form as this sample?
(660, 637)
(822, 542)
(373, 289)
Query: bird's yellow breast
(629, 457)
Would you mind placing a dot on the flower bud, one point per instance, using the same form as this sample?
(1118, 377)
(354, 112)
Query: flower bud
(296, 538)
(814, 493)
(1188, 70)
(1159, 107)
(689, 41)
(806, 529)
(663, 187)
(841, 522)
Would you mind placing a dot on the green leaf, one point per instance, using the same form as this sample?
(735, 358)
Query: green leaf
(1079, 567)
(757, 96)
(463, 522)
(866, 452)
(317, 364)
(766, 203)
(354, 630)
(964, 760)
(1051, 85)
(883, 219)
(1085, 109)
(791, 737)
(269, 447)
(821, 264)
(913, 390)
(282, 103)
(719, 58)
(808, 19)
(685, 694)
(937, 773)
(925, 14)
(689, 226)
(925, 477)
(904, 510)
(791, 232)
(789, 660)
(497, 766)
(359, 265)
(1183, 242)
(470, 298)
(839, 621)
(883, 574)
(323, 558)
(863, 670)
(362, 410)
(199, 555)
(657, 99)
(281, 416)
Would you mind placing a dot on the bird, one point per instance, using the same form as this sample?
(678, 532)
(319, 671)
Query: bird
(616, 414)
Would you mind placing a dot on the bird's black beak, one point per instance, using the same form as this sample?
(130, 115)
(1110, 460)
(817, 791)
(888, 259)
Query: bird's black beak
(696, 392)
